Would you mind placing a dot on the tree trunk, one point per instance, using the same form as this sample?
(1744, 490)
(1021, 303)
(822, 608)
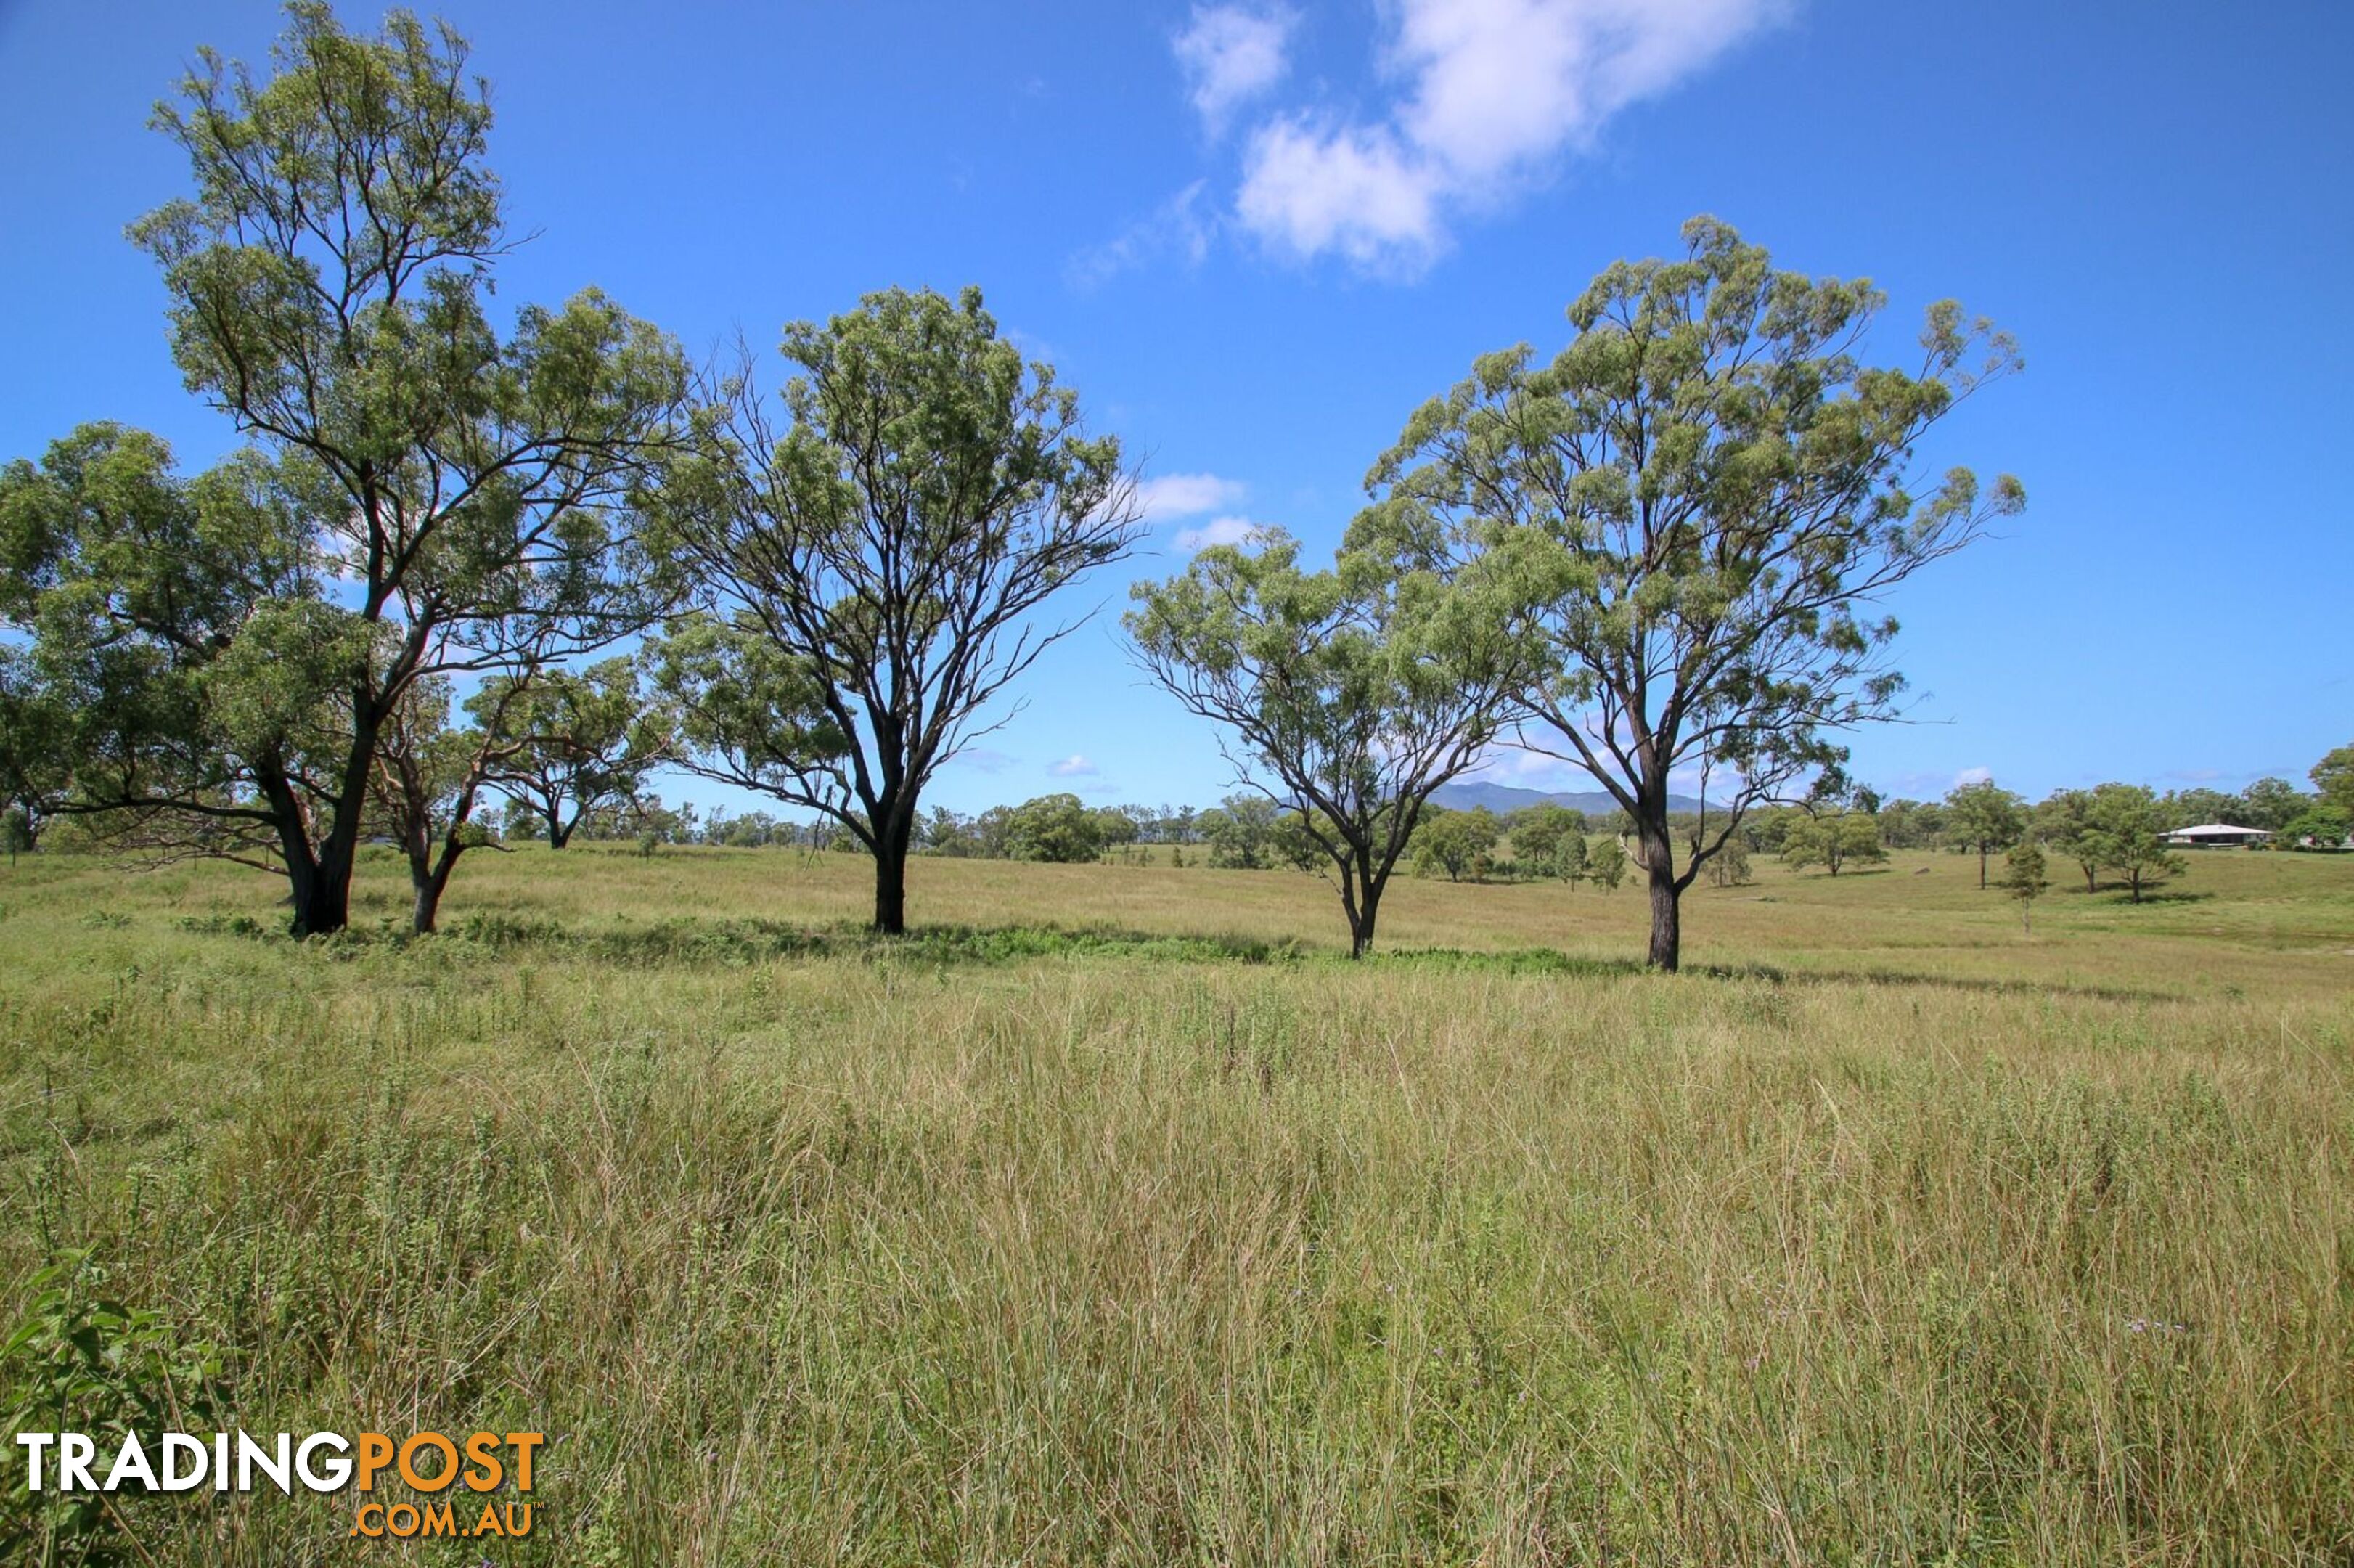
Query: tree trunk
(891, 876)
(1982, 860)
(557, 835)
(1361, 920)
(323, 898)
(1667, 918)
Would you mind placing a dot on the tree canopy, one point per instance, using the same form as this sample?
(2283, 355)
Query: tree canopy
(869, 554)
(1348, 694)
(427, 496)
(1703, 494)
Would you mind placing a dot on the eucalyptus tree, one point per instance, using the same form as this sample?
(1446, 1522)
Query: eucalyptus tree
(1706, 490)
(873, 556)
(177, 675)
(462, 495)
(582, 739)
(34, 776)
(429, 779)
(2125, 831)
(1347, 696)
(1984, 816)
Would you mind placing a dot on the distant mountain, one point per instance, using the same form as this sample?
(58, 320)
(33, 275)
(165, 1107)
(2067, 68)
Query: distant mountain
(1502, 798)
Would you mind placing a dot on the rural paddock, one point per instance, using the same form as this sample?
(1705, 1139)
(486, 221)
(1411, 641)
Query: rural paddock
(1111, 1217)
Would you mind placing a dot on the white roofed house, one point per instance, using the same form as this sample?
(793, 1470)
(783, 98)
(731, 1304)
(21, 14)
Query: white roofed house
(2216, 835)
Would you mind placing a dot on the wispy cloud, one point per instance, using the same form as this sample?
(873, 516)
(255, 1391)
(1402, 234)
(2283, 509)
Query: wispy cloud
(981, 759)
(1231, 55)
(1073, 767)
(1183, 226)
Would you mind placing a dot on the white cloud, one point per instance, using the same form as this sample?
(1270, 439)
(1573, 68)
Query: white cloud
(1174, 495)
(1493, 91)
(1073, 767)
(1231, 55)
(1217, 531)
(1352, 190)
(1973, 776)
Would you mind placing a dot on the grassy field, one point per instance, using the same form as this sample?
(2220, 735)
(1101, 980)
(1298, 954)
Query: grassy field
(1114, 1218)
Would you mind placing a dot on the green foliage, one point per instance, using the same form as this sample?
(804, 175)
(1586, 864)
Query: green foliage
(1606, 864)
(1832, 840)
(1055, 828)
(580, 740)
(1984, 816)
(2334, 776)
(2023, 877)
(1730, 868)
(1570, 857)
(329, 278)
(2271, 804)
(77, 1359)
(1702, 494)
(2325, 826)
(879, 557)
(1360, 689)
(1537, 832)
(2123, 832)
(1454, 841)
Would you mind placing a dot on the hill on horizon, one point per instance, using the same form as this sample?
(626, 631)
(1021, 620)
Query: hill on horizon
(1502, 798)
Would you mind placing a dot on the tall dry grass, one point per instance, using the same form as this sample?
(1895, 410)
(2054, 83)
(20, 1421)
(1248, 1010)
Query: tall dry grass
(984, 1248)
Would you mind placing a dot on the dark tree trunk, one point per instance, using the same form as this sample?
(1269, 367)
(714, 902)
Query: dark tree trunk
(323, 897)
(891, 874)
(1667, 918)
(1982, 860)
(558, 835)
(1656, 856)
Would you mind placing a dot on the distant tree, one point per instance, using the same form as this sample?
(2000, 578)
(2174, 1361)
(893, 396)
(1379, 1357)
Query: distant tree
(428, 781)
(1833, 839)
(584, 738)
(1570, 857)
(1454, 841)
(1056, 828)
(1606, 865)
(2124, 828)
(2190, 808)
(1536, 832)
(2322, 826)
(1703, 494)
(1241, 831)
(1351, 694)
(2063, 822)
(875, 562)
(1912, 824)
(1984, 817)
(2334, 776)
(2271, 804)
(1730, 868)
(2023, 878)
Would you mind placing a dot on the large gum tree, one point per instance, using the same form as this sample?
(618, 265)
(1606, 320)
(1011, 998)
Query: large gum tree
(459, 487)
(1705, 493)
(874, 553)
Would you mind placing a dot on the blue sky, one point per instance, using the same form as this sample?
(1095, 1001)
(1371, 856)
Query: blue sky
(1255, 236)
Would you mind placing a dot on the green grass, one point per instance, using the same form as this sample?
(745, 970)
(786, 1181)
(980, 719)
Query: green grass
(1115, 1217)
